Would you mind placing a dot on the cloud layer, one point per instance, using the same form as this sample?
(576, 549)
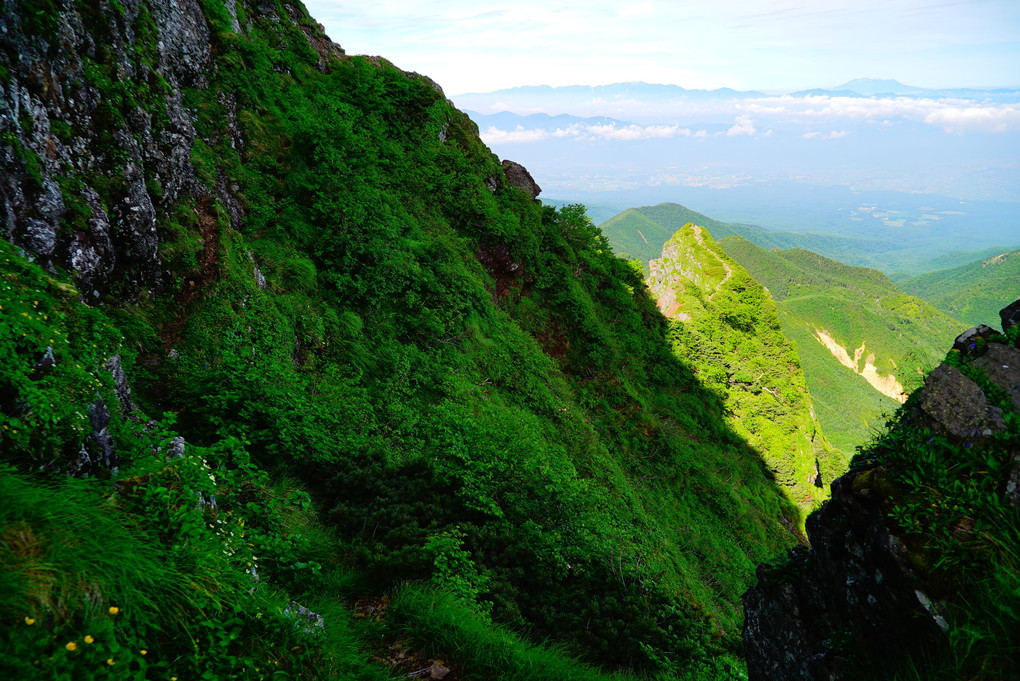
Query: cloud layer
(594, 132)
(953, 115)
(817, 117)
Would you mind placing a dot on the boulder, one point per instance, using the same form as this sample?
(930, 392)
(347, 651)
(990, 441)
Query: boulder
(1001, 363)
(518, 176)
(950, 403)
(1010, 316)
(972, 339)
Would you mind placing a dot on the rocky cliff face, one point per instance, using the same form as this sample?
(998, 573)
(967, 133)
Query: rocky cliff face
(94, 133)
(904, 530)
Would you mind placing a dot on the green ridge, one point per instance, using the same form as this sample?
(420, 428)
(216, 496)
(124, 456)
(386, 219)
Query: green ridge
(726, 325)
(658, 223)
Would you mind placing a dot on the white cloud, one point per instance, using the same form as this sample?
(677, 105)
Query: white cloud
(635, 132)
(991, 119)
(955, 115)
(593, 132)
(743, 126)
(494, 135)
(815, 135)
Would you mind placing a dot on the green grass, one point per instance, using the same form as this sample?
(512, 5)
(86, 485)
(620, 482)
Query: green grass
(467, 386)
(973, 293)
(728, 327)
(855, 306)
(91, 587)
(859, 413)
(442, 625)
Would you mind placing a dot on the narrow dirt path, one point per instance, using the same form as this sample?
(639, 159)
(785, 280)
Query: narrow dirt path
(208, 270)
(729, 270)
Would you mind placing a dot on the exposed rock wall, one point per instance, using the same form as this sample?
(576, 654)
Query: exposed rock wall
(854, 590)
(86, 171)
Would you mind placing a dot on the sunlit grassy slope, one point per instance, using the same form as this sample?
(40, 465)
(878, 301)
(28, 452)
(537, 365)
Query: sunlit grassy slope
(725, 324)
(859, 309)
(973, 293)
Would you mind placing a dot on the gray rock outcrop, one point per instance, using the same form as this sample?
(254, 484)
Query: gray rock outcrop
(853, 590)
(84, 175)
(518, 176)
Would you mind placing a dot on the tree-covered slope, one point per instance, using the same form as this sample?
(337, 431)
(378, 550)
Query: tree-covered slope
(358, 355)
(863, 343)
(972, 293)
(638, 233)
(726, 325)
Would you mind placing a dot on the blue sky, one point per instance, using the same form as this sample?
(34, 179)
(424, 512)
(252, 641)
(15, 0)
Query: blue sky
(773, 46)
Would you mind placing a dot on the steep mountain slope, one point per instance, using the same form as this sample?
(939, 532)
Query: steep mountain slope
(639, 232)
(298, 336)
(973, 292)
(726, 325)
(863, 343)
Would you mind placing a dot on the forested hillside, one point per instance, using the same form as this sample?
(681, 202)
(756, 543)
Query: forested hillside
(726, 326)
(972, 293)
(863, 343)
(279, 335)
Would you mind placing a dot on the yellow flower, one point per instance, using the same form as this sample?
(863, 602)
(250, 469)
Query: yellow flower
(110, 661)
(89, 639)
(29, 621)
(114, 610)
(143, 651)
(71, 645)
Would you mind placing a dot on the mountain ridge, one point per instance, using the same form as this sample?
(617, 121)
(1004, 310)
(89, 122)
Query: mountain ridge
(665, 218)
(726, 325)
(972, 291)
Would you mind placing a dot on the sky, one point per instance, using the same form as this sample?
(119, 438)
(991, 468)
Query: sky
(467, 46)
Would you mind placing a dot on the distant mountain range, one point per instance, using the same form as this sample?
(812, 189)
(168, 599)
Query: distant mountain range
(507, 120)
(632, 90)
(859, 87)
(878, 86)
